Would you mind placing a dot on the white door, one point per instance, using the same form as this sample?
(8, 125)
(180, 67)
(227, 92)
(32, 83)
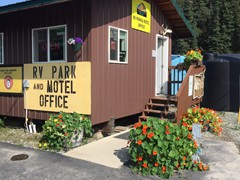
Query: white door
(161, 65)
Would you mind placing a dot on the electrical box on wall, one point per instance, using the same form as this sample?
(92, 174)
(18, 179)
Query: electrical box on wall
(153, 53)
(25, 83)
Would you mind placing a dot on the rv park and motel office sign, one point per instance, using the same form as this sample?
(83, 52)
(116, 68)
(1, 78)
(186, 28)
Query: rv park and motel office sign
(59, 87)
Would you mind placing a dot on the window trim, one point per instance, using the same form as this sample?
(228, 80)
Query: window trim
(118, 58)
(2, 48)
(48, 28)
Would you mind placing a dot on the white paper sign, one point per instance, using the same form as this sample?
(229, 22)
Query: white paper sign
(190, 86)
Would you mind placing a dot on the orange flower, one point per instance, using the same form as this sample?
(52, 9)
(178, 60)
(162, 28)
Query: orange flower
(145, 165)
(200, 166)
(156, 164)
(194, 162)
(57, 124)
(154, 153)
(167, 127)
(150, 135)
(145, 127)
(144, 131)
(184, 158)
(60, 120)
(185, 124)
(205, 168)
(163, 169)
(136, 125)
(190, 128)
(60, 116)
(178, 138)
(195, 144)
(140, 158)
(167, 132)
(139, 142)
(189, 136)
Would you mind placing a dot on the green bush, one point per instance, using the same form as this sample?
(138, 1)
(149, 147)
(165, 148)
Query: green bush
(59, 129)
(159, 147)
(1, 122)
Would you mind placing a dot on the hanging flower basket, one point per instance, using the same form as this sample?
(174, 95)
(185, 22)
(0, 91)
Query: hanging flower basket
(76, 43)
(76, 47)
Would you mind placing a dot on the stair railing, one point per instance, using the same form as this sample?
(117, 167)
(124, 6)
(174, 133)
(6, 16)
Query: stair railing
(184, 101)
(176, 74)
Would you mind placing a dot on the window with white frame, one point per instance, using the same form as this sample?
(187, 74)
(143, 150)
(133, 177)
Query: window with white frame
(117, 45)
(1, 48)
(49, 44)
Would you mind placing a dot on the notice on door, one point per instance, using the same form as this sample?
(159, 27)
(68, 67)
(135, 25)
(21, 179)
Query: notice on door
(59, 87)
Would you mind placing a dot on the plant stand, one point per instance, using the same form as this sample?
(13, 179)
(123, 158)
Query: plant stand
(196, 63)
(77, 138)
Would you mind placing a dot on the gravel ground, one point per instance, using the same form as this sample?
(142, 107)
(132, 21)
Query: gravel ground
(231, 128)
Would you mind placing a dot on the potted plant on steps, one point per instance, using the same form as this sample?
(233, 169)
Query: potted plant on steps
(193, 58)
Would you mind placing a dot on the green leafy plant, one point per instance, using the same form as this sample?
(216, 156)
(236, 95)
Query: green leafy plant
(208, 118)
(2, 122)
(159, 147)
(59, 129)
(192, 56)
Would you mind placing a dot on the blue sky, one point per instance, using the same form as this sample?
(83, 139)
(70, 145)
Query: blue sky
(6, 2)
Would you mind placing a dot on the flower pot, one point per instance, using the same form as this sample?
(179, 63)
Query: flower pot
(196, 63)
(76, 47)
(77, 138)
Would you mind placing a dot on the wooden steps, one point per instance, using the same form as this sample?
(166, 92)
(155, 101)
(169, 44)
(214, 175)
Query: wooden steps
(162, 106)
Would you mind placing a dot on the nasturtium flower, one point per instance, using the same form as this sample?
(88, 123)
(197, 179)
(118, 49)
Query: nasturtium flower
(139, 142)
(154, 153)
(156, 164)
(145, 165)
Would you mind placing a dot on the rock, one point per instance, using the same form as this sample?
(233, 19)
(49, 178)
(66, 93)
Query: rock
(98, 135)
(120, 128)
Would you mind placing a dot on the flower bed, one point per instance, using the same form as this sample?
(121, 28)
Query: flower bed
(59, 130)
(159, 147)
(208, 119)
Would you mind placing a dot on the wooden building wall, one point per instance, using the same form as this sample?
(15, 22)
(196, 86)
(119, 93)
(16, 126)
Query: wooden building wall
(17, 28)
(120, 90)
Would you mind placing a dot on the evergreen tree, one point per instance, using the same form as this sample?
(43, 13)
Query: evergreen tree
(181, 46)
(236, 30)
(216, 23)
(201, 17)
(226, 24)
(214, 39)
